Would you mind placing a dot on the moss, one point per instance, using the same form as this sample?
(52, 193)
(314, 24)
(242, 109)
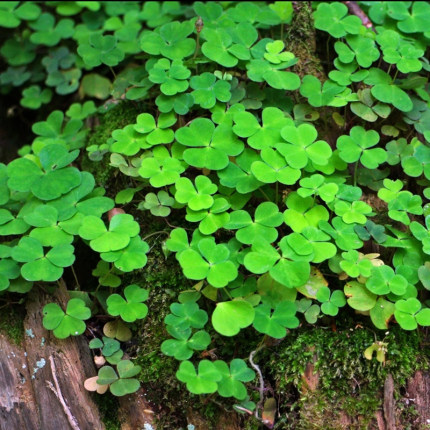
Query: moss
(300, 40)
(115, 117)
(108, 406)
(347, 382)
(12, 323)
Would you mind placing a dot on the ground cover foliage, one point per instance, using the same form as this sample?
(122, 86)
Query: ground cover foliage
(295, 196)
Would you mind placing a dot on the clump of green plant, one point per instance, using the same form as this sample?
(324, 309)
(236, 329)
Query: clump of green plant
(280, 182)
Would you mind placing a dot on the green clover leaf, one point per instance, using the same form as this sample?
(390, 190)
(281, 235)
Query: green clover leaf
(159, 132)
(381, 313)
(173, 77)
(362, 48)
(391, 190)
(215, 47)
(417, 20)
(302, 147)
(124, 383)
(12, 13)
(52, 131)
(331, 301)
(367, 109)
(211, 262)
(80, 200)
(354, 212)
(343, 233)
(130, 309)
(316, 184)
(184, 345)
(186, 315)
(383, 280)
(229, 317)
(202, 382)
(404, 203)
(81, 111)
(354, 264)
(356, 146)
(159, 204)
(266, 218)
(48, 231)
(321, 94)
(170, 41)
(180, 103)
(40, 266)
(274, 168)
(409, 314)
(9, 270)
(33, 97)
(210, 146)
(69, 323)
(272, 292)
(333, 18)
(301, 212)
(260, 70)
(101, 50)
(207, 90)
(265, 136)
(50, 183)
(359, 297)
(211, 219)
(198, 196)
(49, 34)
(238, 174)
(370, 229)
(275, 324)
(231, 384)
(10, 225)
(162, 169)
(130, 258)
(289, 269)
(386, 91)
(128, 141)
(108, 346)
(122, 228)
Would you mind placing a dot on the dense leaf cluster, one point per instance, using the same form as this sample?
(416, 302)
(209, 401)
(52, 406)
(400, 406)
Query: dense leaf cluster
(288, 183)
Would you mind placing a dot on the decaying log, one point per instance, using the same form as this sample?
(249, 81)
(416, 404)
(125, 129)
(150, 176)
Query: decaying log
(58, 369)
(135, 411)
(389, 404)
(17, 404)
(418, 392)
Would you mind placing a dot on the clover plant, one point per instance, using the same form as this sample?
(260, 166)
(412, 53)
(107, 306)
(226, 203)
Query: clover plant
(270, 178)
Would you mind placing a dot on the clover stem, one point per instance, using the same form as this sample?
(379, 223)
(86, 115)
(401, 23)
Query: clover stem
(389, 69)
(76, 278)
(197, 46)
(276, 192)
(265, 195)
(282, 31)
(355, 173)
(113, 72)
(228, 294)
(260, 376)
(327, 49)
(395, 74)
(156, 232)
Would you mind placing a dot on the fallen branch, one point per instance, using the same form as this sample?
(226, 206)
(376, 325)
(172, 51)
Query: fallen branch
(356, 10)
(260, 377)
(57, 391)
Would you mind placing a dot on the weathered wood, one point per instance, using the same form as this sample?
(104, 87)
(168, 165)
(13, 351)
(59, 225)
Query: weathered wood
(135, 411)
(17, 403)
(418, 392)
(65, 402)
(389, 404)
